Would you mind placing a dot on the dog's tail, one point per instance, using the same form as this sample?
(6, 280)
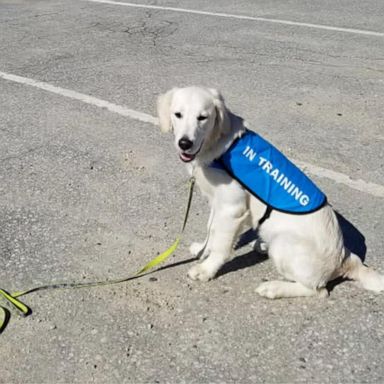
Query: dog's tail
(353, 268)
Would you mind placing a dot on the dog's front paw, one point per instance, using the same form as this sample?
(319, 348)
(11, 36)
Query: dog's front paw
(200, 272)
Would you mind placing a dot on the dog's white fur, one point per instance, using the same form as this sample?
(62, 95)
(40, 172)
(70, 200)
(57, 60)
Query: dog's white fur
(308, 250)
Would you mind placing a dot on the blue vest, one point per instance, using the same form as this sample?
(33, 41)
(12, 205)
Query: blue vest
(266, 173)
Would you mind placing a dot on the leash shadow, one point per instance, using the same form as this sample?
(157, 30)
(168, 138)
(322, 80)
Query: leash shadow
(6, 317)
(175, 264)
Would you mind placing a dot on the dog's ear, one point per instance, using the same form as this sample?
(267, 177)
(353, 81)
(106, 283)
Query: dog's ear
(222, 117)
(163, 110)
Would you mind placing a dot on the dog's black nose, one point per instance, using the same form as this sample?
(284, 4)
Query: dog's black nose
(185, 143)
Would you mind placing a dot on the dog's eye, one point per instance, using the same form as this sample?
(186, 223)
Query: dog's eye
(202, 118)
(178, 115)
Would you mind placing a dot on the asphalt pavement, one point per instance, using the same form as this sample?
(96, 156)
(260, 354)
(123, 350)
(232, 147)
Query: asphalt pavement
(88, 193)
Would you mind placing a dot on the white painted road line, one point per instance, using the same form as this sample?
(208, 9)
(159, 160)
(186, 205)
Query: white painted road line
(81, 97)
(243, 17)
(359, 185)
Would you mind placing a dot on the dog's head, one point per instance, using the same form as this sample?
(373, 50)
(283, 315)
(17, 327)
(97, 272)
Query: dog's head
(197, 117)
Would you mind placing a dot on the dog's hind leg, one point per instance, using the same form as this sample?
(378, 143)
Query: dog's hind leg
(295, 258)
(226, 229)
(278, 289)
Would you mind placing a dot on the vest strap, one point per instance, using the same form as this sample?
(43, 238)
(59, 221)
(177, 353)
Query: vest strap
(266, 215)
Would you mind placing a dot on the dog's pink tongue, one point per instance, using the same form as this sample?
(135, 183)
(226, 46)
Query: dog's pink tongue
(186, 157)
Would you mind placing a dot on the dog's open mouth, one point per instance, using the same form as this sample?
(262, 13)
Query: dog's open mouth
(186, 157)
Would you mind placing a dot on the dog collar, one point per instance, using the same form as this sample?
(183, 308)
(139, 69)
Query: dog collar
(268, 175)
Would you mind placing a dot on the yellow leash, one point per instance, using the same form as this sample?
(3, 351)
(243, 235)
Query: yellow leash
(24, 310)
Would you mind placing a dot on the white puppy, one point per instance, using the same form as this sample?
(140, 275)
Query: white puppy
(308, 250)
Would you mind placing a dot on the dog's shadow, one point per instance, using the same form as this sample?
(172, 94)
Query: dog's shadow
(246, 260)
(354, 240)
